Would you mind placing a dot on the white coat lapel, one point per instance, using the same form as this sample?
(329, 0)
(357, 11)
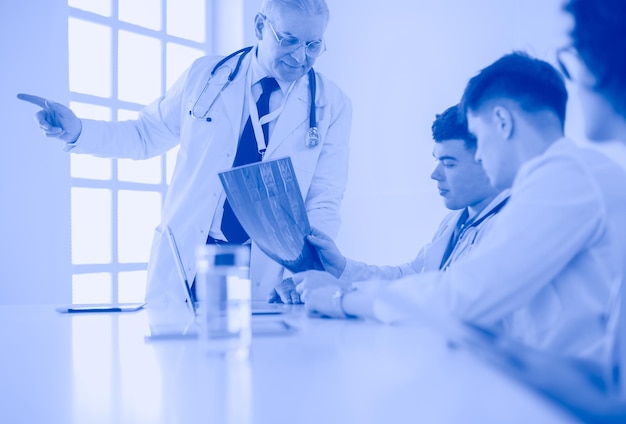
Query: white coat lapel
(233, 97)
(434, 253)
(295, 113)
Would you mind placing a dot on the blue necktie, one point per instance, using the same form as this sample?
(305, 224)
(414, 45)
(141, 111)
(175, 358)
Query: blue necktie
(247, 152)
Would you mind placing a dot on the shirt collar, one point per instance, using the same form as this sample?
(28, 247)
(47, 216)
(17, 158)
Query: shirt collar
(500, 197)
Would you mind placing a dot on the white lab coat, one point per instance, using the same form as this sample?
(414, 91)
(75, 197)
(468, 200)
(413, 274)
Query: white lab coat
(429, 257)
(209, 147)
(548, 273)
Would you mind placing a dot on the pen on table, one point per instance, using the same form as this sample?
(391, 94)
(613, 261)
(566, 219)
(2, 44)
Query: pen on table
(107, 309)
(172, 336)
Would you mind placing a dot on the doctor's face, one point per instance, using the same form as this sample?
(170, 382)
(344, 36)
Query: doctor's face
(284, 40)
(460, 179)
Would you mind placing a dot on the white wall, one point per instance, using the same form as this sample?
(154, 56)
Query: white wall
(34, 172)
(228, 20)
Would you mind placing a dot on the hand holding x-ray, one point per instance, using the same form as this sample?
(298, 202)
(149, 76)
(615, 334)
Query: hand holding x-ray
(55, 119)
(266, 199)
(332, 259)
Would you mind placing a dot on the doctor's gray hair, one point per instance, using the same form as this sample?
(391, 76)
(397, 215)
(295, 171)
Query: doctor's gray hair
(309, 7)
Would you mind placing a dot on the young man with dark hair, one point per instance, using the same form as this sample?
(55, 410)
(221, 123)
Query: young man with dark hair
(466, 191)
(546, 274)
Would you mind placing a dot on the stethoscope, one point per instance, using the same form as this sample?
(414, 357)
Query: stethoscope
(462, 226)
(312, 138)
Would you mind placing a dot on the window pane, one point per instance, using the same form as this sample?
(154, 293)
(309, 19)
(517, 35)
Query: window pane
(87, 166)
(139, 73)
(91, 288)
(146, 13)
(146, 171)
(132, 286)
(144, 67)
(179, 58)
(126, 115)
(91, 111)
(186, 19)
(91, 225)
(139, 212)
(101, 7)
(89, 58)
(170, 162)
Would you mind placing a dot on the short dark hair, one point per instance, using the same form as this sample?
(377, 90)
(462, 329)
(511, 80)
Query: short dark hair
(532, 83)
(451, 125)
(599, 36)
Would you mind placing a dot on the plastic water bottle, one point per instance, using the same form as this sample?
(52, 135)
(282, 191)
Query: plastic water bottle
(223, 300)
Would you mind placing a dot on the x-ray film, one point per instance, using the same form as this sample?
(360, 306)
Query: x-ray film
(266, 199)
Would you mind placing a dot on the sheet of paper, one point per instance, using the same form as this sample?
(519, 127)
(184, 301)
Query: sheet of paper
(266, 199)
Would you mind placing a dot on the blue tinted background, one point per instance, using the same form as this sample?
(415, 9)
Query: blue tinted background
(400, 63)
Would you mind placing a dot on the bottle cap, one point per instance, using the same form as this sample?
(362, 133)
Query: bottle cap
(225, 259)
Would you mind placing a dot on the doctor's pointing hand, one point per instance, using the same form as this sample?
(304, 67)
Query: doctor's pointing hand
(55, 119)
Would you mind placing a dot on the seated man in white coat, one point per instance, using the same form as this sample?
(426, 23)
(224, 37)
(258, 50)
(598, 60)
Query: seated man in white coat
(548, 273)
(466, 191)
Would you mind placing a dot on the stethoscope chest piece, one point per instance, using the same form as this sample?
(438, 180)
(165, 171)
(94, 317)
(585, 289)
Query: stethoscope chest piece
(312, 137)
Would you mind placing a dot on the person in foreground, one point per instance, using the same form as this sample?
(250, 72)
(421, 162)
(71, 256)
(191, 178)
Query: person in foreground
(547, 272)
(596, 63)
(257, 104)
(466, 191)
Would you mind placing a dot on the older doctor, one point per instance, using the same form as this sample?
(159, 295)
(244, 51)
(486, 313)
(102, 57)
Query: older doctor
(229, 111)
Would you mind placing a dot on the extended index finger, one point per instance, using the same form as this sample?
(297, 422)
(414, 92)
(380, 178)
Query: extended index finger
(39, 101)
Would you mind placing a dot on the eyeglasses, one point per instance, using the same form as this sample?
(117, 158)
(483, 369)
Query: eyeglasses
(289, 42)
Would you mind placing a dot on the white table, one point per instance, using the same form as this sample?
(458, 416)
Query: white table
(98, 368)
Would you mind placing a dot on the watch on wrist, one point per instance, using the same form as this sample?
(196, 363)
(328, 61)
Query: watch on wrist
(337, 302)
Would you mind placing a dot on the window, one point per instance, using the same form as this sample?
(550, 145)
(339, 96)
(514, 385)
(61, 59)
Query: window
(123, 54)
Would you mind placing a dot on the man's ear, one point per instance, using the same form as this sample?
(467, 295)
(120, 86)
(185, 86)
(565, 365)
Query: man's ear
(504, 121)
(259, 24)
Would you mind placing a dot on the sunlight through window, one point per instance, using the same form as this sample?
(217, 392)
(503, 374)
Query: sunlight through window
(123, 54)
